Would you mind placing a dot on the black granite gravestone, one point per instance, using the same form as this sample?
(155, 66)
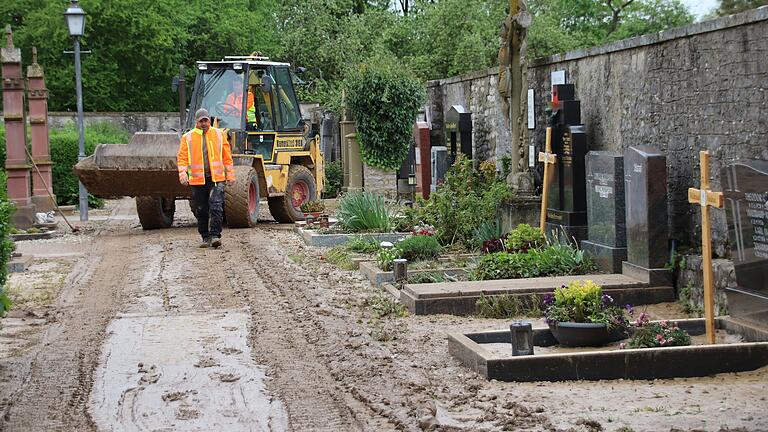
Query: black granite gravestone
(567, 205)
(645, 182)
(746, 206)
(607, 244)
(458, 132)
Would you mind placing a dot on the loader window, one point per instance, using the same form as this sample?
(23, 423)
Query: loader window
(286, 99)
(221, 92)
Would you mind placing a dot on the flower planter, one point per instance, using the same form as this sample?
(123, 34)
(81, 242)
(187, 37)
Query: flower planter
(315, 215)
(573, 334)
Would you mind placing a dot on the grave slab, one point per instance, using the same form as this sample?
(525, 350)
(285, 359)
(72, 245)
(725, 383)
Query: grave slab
(19, 264)
(637, 364)
(459, 298)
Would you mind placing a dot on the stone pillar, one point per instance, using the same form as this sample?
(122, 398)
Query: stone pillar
(423, 159)
(38, 119)
(16, 163)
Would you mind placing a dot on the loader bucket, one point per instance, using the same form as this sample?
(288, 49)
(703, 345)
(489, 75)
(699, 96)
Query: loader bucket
(146, 166)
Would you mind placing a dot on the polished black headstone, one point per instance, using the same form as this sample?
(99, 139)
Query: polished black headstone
(745, 187)
(645, 182)
(458, 131)
(606, 221)
(567, 205)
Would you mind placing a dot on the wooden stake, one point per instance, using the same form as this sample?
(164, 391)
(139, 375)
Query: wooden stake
(548, 158)
(706, 198)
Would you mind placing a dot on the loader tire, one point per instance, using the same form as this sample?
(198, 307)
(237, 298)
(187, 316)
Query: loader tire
(155, 212)
(241, 200)
(301, 188)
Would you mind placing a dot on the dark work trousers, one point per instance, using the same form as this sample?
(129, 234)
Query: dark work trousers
(209, 202)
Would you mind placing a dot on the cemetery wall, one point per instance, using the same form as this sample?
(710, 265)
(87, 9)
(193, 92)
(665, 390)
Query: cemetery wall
(680, 91)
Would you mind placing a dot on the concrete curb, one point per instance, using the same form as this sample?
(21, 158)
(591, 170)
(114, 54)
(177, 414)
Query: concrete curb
(312, 238)
(377, 276)
(645, 364)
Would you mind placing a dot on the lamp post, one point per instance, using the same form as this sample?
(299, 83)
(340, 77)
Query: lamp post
(75, 17)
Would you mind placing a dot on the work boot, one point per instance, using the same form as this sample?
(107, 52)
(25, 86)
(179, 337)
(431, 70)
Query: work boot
(206, 243)
(216, 242)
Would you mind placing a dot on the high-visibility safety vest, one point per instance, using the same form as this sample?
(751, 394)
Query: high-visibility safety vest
(235, 100)
(190, 156)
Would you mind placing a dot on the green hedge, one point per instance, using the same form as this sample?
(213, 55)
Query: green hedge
(6, 247)
(384, 100)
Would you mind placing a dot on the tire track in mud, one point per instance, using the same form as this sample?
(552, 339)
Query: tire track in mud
(283, 337)
(54, 393)
(363, 376)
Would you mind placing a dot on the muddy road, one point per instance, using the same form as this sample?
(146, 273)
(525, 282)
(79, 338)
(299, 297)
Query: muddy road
(129, 330)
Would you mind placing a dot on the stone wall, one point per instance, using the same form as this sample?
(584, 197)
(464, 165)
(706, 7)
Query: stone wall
(690, 282)
(683, 90)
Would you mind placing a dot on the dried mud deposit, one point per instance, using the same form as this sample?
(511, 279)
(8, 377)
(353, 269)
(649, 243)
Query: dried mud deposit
(122, 329)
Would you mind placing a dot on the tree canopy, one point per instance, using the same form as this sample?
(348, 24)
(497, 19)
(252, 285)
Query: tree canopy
(136, 46)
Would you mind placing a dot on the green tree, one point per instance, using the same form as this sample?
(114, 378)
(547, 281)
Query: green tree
(136, 46)
(728, 7)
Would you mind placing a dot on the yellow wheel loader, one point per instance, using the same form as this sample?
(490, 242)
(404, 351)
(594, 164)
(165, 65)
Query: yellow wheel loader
(276, 152)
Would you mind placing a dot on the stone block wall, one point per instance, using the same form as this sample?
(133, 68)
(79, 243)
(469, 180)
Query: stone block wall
(700, 87)
(690, 283)
(378, 181)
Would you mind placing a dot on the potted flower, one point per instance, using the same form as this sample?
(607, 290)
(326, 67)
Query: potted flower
(314, 208)
(579, 314)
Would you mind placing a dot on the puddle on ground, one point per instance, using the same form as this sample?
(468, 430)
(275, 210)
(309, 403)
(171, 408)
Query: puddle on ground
(505, 349)
(183, 372)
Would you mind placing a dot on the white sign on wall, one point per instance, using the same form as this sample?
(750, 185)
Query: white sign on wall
(531, 116)
(558, 77)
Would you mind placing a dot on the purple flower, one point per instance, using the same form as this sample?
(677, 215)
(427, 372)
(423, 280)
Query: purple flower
(629, 309)
(548, 300)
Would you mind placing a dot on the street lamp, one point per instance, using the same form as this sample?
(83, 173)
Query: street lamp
(75, 17)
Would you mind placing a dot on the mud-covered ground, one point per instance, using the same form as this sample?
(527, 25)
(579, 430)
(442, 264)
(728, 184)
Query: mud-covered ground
(116, 328)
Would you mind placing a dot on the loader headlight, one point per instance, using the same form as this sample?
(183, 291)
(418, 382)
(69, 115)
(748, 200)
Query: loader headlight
(237, 66)
(202, 66)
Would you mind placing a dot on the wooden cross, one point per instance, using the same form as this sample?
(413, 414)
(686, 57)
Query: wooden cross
(706, 198)
(548, 158)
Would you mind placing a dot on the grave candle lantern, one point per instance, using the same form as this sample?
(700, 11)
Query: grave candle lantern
(400, 269)
(521, 335)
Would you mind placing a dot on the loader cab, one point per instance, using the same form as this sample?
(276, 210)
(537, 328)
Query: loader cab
(253, 96)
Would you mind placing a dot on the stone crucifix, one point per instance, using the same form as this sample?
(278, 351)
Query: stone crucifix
(548, 158)
(706, 199)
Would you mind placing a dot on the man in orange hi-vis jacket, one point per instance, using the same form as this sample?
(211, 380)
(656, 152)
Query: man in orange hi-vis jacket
(205, 163)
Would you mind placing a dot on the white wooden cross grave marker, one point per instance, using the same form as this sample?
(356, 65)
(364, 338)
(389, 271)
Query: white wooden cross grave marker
(548, 158)
(706, 198)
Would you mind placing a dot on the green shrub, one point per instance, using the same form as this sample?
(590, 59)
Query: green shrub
(524, 237)
(334, 177)
(363, 211)
(420, 247)
(363, 244)
(466, 199)
(64, 153)
(384, 100)
(504, 265)
(6, 247)
(557, 260)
